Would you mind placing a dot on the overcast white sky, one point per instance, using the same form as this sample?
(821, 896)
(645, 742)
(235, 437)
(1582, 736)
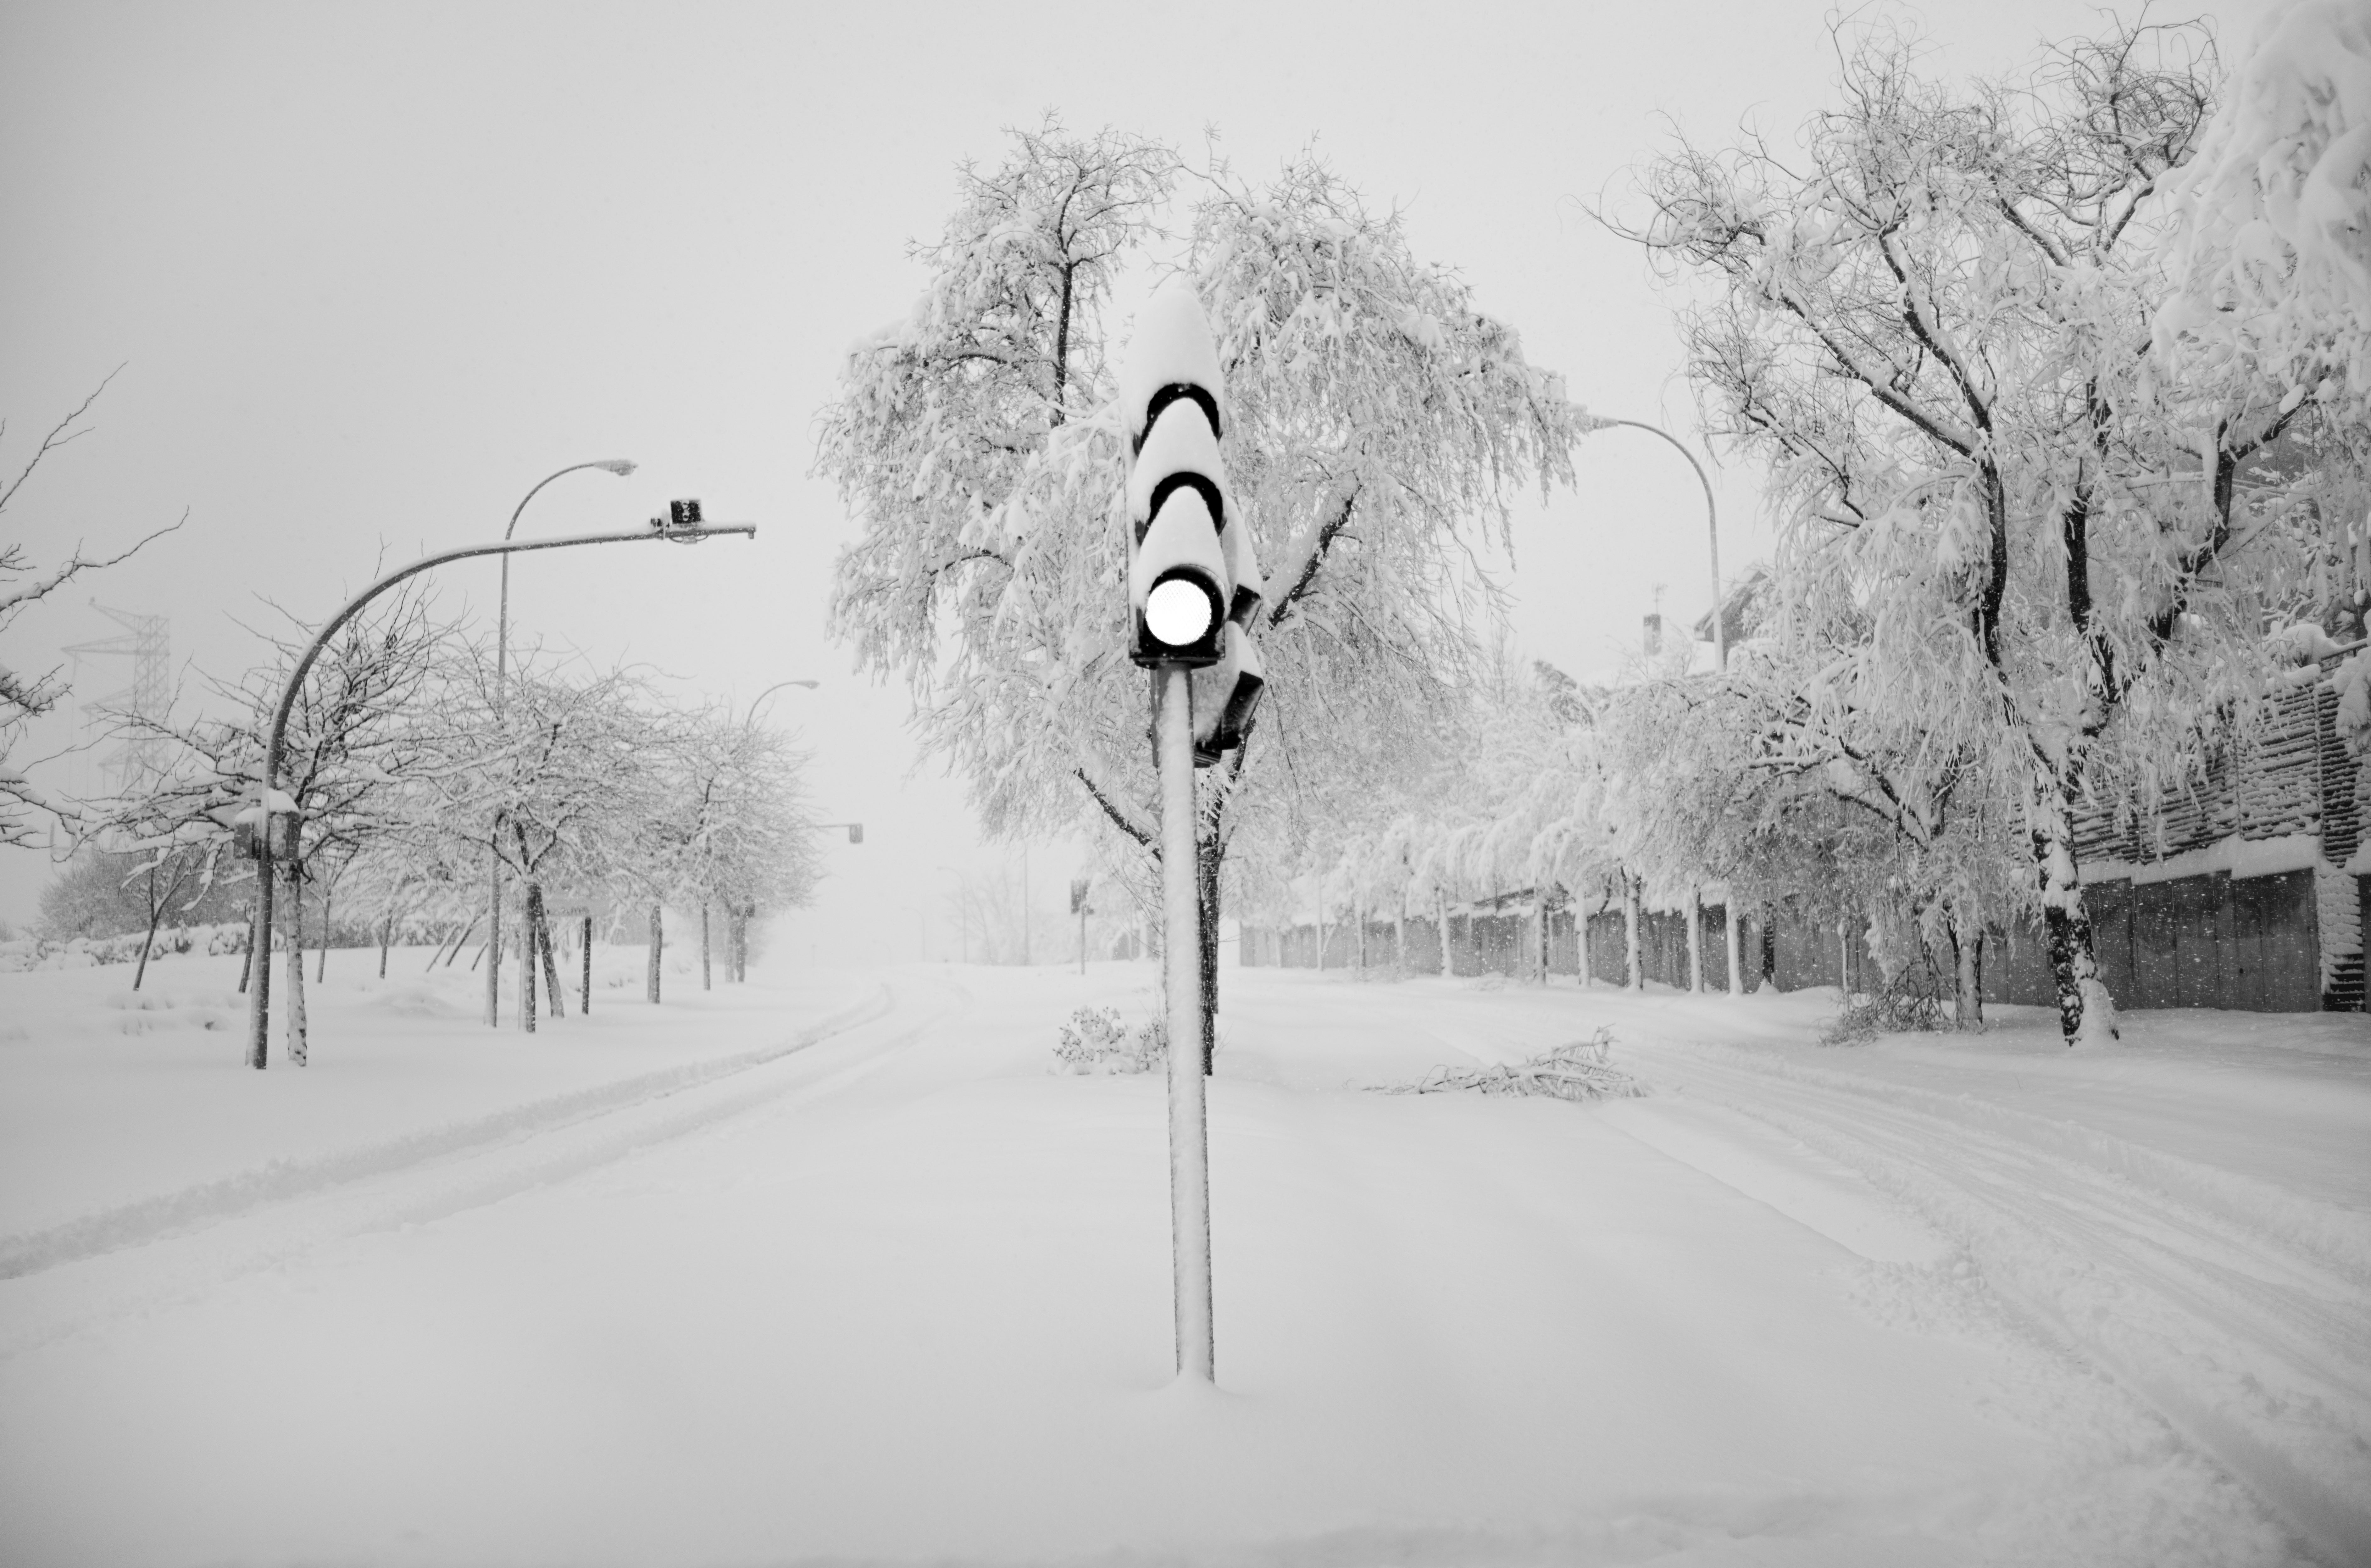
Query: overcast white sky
(374, 270)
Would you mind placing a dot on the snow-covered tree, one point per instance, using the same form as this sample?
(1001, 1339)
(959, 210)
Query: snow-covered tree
(747, 841)
(361, 735)
(1999, 541)
(2270, 249)
(1377, 420)
(558, 775)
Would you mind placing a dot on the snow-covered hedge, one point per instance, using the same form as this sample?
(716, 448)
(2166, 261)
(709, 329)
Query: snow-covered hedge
(26, 953)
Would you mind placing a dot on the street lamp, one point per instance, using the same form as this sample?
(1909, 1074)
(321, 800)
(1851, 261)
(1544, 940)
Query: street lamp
(769, 691)
(259, 994)
(1720, 656)
(1712, 521)
(737, 916)
(621, 467)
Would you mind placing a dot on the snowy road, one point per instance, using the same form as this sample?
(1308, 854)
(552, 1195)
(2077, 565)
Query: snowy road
(842, 1272)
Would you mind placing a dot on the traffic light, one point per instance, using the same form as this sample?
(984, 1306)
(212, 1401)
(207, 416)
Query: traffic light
(1184, 551)
(1193, 582)
(1226, 696)
(682, 522)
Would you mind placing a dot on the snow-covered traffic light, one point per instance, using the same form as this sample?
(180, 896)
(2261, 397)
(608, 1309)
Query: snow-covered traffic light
(1190, 571)
(248, 827)
(1226, 696)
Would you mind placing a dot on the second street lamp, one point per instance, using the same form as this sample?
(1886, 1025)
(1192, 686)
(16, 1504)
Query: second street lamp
(1720, 657)
(1712, 521)
(621, 467)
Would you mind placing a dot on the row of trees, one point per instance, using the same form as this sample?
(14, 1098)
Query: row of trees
(2059, 379)
(415, 770)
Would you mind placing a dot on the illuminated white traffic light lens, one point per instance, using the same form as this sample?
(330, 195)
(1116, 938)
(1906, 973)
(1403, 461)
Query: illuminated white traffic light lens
(1177, 612)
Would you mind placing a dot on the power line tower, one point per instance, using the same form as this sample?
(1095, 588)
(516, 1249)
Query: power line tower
(148, 641)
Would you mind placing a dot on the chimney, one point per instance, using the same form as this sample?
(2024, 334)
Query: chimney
(1654, 632)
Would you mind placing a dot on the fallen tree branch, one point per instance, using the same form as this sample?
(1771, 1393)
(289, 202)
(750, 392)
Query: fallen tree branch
(1577, 1072)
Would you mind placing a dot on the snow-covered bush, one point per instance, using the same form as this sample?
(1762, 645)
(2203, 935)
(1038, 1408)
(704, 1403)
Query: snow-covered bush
(1095, 1040)
(25, 954)
(1911, 1000)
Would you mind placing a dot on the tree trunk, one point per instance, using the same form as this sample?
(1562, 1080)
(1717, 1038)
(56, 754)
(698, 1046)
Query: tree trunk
(1695, 942)
(386, 940)
(584, 1004)
(658, 946)
(705, 983)
(1968, 953)
(460, 940)
(254, 925)
(1732, 941)
(1441, 919)
(529, 908)
(2085, 1014)
(1399, 940)
(1318, 916)
(1359, 913)
(295, 969)
(1540, 905)
(155, 918)
(540, 920)
(1638, 967)
(1580, 939)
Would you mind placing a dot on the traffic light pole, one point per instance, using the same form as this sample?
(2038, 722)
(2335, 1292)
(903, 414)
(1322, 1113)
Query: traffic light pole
(1189, 1150)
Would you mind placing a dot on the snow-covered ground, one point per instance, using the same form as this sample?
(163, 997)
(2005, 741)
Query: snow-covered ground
(830, 1267)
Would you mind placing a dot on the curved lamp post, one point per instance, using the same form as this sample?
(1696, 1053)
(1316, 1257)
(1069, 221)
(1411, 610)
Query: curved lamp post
(260, 993)
(769, 691)
(1712, 522)
(1720, 655)
(621, 467)
(737, 916)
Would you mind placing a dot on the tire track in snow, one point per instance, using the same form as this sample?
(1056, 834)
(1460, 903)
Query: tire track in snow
(507, 1155)
(206, 1203)
(2250, 1336)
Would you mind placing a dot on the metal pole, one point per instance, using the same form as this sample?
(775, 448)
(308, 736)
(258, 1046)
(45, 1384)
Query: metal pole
(260, 1011)
(620, 466)
(1189, 1157)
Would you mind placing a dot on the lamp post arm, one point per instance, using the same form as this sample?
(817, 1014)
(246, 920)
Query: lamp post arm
(751, 721)
(507, 547)
(1712, 522)
(516, 512)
